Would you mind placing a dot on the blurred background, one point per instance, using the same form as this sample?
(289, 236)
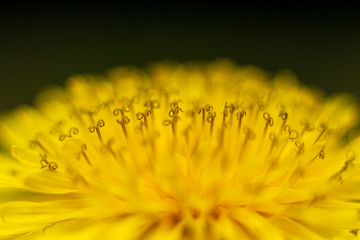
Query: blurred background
(42, 45)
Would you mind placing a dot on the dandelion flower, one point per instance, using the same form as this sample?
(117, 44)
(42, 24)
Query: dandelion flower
(190, 151)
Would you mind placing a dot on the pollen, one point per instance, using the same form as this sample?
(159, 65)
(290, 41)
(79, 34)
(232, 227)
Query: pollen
(181, 151)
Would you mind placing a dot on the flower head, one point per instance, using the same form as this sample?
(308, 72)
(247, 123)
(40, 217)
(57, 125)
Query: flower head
(192, 151)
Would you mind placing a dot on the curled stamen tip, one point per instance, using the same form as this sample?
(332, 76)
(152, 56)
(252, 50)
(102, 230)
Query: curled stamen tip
(92, 129)
(350, 155)
(240, 114)
(126, 108)
(124, 120)
(152, 104)
(143, 115)
(167, 122)
(300, 146)
(271, 122)
(208, 108)
(293, 134)
(287, 128)
(116, 112)
(268, 118)
(100, 123)
(283, 115)
(53, 166)
(211, 117)
(307, 125)
(139, 116)
(72, 131)
(43, 163)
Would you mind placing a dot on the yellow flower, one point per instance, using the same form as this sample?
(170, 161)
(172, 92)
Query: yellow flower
(191, 151)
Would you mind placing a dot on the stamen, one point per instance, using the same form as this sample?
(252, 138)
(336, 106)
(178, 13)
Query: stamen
(52, 166)
(206, 108)
(91, 114)
(192, 114)
(99, 125)
(174, 109)
(172, 122)
(56, 129)
(211, 118)
(139, 129)
(225, 114)
(321, 128)
(269, 121)
(247, 104)
(173, 113)
(292, 135)
(36, 143)
(261, 106)
(124, 109)
(249, 135)
(124, 120)
(232, 107)
(130, 102)
(152, 104)
(109, 144)
(350, 156)
(274, 142)
(72, 131)
(307, 127)
(144, 116)
(320, 155)
(300, 146)
(187, 134)
(284, 116)
(106, 104)
(240, 116)
(175, 103)
(167, 93)
(82, 153)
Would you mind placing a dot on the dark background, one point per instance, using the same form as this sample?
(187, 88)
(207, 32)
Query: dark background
(41, 45)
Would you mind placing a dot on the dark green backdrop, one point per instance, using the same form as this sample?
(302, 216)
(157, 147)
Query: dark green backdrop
(43, 45)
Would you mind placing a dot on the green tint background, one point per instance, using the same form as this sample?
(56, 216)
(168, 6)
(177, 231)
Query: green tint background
(45, 45)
